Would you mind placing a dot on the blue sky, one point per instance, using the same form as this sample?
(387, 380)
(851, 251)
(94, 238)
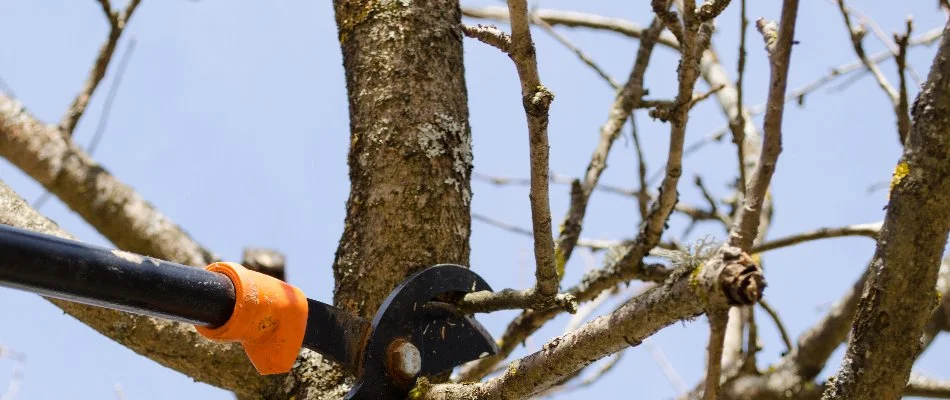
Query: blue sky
(232, 119)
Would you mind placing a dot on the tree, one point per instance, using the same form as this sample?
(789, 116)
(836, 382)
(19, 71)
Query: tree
(410, 167)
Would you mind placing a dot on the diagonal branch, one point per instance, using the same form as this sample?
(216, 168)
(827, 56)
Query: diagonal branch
(104, 117)
(174, 345)
(905, 267)
(778, 324)
(857, 36)
(581, 55)
(723, 281)
(117, 24)
(109, 205)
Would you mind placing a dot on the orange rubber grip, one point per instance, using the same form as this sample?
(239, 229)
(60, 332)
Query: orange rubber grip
(269, 318)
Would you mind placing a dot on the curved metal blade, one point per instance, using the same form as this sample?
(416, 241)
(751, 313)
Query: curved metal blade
(405, 315)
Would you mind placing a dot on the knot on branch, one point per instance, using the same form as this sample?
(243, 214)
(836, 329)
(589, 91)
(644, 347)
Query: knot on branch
(741, 278)
(537, 104)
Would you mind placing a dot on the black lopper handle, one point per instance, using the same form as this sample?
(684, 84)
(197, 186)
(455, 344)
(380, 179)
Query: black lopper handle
(81, 273)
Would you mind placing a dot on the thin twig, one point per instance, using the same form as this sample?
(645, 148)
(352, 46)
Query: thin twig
(490, 35)
(713, 208)
(574, 19)
(778, 323)
(555, 178)
(892, 46)
(738, 123)
(903, 105)
(671, 375)
(697, 98)
(798, 95)
(643, 197)
(592, 244)
(581, 55)
(565, 387)
(620, 111)
(857, 35)
(752, 342)
(870, 230)
(922, 386)
(117, 24)
(779, 40)
(103, 118)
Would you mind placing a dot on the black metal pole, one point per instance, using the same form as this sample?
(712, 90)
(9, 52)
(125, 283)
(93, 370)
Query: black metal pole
(81, 273)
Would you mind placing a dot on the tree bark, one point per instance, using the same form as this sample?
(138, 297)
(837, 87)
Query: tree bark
(410, 152)
(900, 294)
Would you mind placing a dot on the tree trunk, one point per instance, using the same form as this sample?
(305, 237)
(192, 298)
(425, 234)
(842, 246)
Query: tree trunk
(410, 146)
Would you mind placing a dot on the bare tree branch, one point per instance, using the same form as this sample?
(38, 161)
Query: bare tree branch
(489, 35)
(104, 117)
(867, 230)
(574, 19)
(903, 105)
(710, 68)
(717, 333)
(749, 363)
(580, 192)
(537, 100)
(620, 111)
(112, 207)
(904, 270)
(857, 36)
(899, 105)
(117, 24)
(778, 39)
(581, 55)
(926, 387)
(674, 377)
(175, 345)
(737, 123)
(723, 280)
(628, 264)
(778, 324)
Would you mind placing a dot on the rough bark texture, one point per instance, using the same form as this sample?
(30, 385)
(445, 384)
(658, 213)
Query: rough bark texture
(900, 293)
(411, 152)
(112, 207)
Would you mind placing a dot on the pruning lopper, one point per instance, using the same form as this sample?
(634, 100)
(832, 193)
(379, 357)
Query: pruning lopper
(416, 331)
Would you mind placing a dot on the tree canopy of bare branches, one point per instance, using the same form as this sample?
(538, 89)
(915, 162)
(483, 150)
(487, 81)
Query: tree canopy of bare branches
(411, 168)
